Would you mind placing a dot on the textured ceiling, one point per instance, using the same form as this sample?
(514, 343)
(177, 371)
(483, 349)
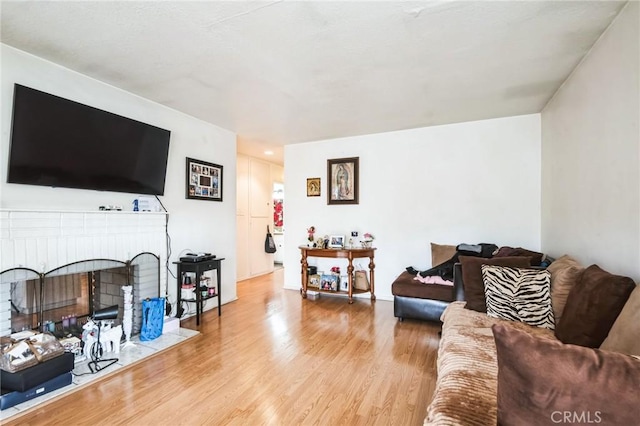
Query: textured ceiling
(286, 72)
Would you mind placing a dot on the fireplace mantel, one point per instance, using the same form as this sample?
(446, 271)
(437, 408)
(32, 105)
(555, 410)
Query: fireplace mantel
(45, 239)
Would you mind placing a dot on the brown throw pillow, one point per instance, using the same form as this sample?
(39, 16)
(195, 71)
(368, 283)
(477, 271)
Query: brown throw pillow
(540, 380)
(441, 253)
(536, 257)
(592, 307)
(624, 336)
(472, 277)
(565, 273)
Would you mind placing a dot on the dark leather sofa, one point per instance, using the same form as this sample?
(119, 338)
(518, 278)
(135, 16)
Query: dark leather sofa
(415, 300)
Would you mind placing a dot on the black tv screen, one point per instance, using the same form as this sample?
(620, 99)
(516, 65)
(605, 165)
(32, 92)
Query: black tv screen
(60, 143)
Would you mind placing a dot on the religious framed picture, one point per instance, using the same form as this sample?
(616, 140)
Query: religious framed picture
(204, 180)
(342, 180)
(313, 187)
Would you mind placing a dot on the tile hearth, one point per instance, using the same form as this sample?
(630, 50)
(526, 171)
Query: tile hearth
(127, 356)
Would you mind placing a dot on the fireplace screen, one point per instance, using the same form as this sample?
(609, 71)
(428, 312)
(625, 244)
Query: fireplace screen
(65, 297)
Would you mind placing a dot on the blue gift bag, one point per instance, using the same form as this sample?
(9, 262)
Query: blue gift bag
(152, 318)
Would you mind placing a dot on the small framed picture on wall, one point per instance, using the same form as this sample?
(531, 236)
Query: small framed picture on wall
(313, 187)
(204, 180)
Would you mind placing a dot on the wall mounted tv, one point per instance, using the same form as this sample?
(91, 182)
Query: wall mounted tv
(60, 143)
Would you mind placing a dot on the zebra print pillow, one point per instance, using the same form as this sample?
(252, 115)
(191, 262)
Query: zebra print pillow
(519, 294)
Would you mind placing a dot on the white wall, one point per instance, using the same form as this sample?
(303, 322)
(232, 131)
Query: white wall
(471, 182)
(193, 224)
(591, 155)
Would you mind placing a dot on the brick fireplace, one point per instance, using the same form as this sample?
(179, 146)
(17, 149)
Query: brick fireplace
(45, 241)
(78, 294)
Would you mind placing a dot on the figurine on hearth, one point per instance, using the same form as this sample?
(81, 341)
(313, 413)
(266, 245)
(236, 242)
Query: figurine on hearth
(109, 337)
(89, 331)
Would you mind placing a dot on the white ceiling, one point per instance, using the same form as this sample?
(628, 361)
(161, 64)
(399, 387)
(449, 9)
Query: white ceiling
(290, 71)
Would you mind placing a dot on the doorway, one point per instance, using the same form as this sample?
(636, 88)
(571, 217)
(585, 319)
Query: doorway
(278, 223)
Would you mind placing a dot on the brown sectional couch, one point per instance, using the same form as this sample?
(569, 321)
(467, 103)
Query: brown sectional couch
(479, 385)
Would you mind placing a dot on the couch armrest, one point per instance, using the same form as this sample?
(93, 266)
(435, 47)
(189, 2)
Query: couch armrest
(458, 288)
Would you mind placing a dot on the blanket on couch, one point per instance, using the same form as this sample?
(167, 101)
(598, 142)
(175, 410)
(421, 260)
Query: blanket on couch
(466, 388)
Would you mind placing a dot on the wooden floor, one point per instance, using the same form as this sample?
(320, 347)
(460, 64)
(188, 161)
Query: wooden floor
(271, 358)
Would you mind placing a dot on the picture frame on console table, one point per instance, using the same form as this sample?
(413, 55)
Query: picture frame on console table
(343, 180)
(344, 283)
(203, 180)
(329, 282)
(336, 241)
(314, 281)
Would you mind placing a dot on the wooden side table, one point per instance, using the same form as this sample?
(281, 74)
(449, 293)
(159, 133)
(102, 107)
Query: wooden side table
(340, 253)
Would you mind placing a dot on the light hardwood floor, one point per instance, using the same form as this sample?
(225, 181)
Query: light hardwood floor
(271, 358)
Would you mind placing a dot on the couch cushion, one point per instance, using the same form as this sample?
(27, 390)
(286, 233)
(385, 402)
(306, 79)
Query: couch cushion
(441, 253)
(624, 336)
(592, 307)
(518, 294)
(405, 285)
(539, 380)
(472, 277)
(565, 273)
(466, 390)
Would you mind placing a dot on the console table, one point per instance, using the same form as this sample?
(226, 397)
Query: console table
(342, 253)
(198, 268)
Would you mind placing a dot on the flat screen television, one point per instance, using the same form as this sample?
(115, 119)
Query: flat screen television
(61, 143)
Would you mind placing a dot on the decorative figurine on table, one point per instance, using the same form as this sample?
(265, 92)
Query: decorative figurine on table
(368, 240)
(310, 231)
(325, 243)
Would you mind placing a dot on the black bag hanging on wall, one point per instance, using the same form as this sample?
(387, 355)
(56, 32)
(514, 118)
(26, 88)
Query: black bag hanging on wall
(269, 244)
